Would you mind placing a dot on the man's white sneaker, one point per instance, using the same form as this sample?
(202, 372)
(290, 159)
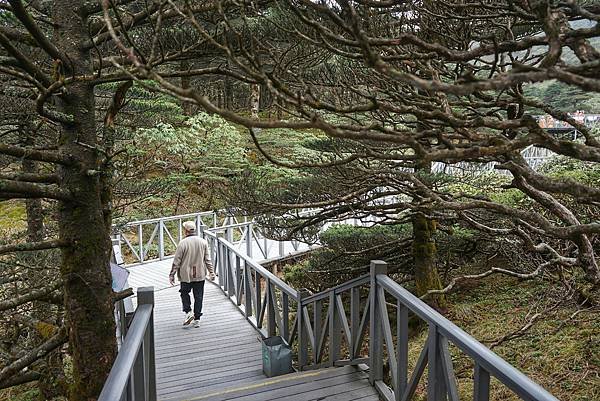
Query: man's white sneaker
(188, 318)
(197, 323)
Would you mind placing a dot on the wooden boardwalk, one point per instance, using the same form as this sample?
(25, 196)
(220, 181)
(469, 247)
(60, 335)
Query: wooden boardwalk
(225, 351)
(222, 359)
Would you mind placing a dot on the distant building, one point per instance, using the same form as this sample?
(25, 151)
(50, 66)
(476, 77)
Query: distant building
(547, 121)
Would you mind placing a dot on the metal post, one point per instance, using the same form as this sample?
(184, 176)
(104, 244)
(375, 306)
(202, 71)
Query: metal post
(238, 280)
(266, 243)
(281, 248)
(302, 332)
(481, 387)
(161, 240)
(198, 224)
(271, 296)
(259, 306)
(180, 230)
(145, 296)
(247, 289)
(317, 328)
(436, 389)
(375, 336)
(285, 306)
(334, 330)
(249, 239)
(141, 239)
(354, 320)
(139, 377)
(401, 350)
(219, 263)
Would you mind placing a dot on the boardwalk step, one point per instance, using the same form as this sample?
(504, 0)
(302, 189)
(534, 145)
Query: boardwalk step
(332, 384)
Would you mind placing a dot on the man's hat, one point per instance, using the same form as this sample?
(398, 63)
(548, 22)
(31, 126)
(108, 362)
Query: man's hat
(189, 225)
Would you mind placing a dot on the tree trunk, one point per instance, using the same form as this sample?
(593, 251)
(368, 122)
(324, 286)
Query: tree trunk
(33, 207)
(425, 255)
(227, 90)
(185, 84)
(85, 265)
(254, 100)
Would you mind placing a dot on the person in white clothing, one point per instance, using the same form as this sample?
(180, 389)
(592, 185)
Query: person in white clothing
(192, 265)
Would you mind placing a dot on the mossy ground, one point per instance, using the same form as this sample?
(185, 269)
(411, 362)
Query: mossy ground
(560, 353)
(12, 217)
(26, 392)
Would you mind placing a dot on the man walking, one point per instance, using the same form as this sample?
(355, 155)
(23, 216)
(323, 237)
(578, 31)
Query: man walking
(191, 263)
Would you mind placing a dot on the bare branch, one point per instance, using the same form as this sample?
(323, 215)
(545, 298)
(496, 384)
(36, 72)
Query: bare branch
(35, 354)
(33, 246)
(30, 296)
(33, 190)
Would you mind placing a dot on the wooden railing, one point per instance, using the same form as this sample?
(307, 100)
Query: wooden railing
(330, 328)
(326, 313)
(388, 344)
(156, 239)
(264, 299)
(133, 375)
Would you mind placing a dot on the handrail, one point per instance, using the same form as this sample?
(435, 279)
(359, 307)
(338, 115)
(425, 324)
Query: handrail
(337, 289)
(258, 293)
(515, 380)
(133, 373)
(321, 323)
(157, 219)
(264, 272)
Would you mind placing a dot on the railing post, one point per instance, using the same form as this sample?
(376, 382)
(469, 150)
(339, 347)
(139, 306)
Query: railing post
(317, 329)
(271, 325)
(375, 339)
(401, 350)
(285, 306)
(198, 224)
(334, 330)
(266, 245)
(247, 290)
(200, 229)
(117, 254)
(161, 240)
(219, 264)
(302, 332)
(238, 280)
(435, 381)
(141, 239)
(354, 319)
(249, 239)
(145, 296)
(481, 387)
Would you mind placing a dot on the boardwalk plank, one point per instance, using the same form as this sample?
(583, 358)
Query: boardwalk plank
(221, 360)
(288, 384)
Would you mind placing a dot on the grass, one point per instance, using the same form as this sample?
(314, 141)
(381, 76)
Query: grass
(559, 353)
(12, 217)
(25, 392)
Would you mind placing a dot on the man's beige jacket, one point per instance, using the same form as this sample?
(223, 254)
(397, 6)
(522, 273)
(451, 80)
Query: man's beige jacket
(192, 260)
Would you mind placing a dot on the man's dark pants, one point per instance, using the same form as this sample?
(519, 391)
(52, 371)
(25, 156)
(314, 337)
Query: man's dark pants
(198, 289)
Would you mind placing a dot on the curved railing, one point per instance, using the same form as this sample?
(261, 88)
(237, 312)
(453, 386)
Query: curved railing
(330, 329)
(262, 297)
(150, 240)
